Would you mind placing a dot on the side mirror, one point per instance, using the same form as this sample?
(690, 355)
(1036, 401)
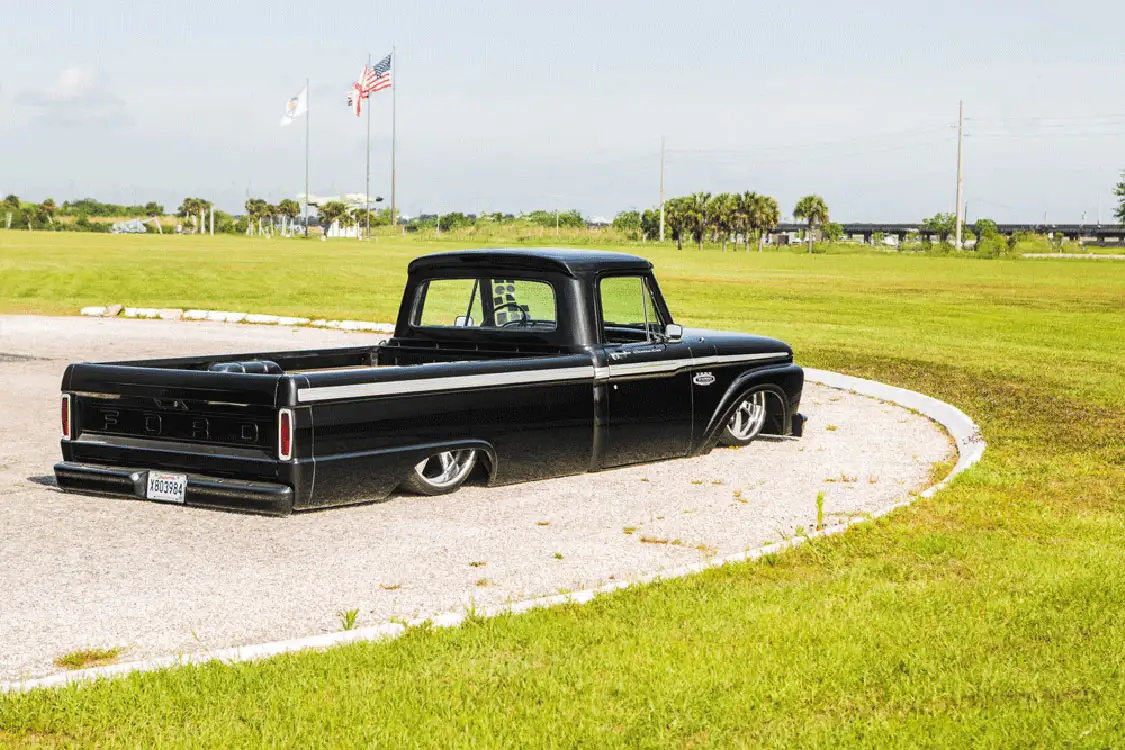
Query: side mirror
(674, 331)
(464, 321)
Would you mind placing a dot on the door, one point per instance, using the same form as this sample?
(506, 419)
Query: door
(648, 389)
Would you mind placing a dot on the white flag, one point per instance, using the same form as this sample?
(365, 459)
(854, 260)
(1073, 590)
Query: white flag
(296, 107)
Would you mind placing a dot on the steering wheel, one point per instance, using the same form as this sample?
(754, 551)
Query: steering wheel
(522, 319)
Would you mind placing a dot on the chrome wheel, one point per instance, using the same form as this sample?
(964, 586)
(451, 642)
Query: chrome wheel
(748, 419)
(441, 473)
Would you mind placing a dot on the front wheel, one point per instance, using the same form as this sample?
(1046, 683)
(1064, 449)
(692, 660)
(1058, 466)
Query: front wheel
(441, 473)
(747, 420)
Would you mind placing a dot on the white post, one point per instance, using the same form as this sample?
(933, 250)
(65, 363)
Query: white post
(212, 221)
(202, 220)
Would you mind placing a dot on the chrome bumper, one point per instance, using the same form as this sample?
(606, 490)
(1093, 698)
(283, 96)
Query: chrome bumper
(211, 492)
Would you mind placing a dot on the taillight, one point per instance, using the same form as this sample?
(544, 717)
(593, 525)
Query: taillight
(285, 434)
(66, 422)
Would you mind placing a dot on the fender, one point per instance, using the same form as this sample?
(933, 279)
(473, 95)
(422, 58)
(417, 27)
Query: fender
(765, 379)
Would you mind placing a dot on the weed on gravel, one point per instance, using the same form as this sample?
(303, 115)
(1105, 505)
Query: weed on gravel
(88, 657)
(348, 618)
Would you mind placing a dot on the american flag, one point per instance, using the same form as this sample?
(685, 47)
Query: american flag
(373, 78)
(378, 76)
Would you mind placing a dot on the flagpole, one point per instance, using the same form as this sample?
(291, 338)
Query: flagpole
(394, 118)
(306, 158)
(367, 194)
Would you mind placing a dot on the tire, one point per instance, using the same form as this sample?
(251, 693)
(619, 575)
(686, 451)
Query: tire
(441, 473)
(747, 421)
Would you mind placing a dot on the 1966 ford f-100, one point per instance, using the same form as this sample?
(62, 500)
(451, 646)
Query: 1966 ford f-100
(521, 364)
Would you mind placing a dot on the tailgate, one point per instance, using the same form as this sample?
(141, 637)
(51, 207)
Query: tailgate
(209, 412)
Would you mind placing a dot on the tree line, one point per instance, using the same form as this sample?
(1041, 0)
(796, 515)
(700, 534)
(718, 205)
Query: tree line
(723, 218)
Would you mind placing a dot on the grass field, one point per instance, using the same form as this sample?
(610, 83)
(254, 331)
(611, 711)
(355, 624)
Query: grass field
(990, 615)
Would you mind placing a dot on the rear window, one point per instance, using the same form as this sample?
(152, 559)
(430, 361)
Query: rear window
(504, 304)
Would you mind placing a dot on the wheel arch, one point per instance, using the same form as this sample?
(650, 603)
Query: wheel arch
(772, 380)
(487, 452)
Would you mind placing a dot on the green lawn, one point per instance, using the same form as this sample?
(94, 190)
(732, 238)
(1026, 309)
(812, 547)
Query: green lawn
(990, 615)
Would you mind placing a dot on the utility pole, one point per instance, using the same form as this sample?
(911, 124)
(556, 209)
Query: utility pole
(960, 165)
(661, 188)
(306, 158)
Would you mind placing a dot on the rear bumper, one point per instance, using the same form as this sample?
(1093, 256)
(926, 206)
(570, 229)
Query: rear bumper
(211, 492)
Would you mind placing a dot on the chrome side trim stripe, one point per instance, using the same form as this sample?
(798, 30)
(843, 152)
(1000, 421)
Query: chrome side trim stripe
(726, 359)
(523, 377)
(427, 385)
(625, 369)
(619, 369)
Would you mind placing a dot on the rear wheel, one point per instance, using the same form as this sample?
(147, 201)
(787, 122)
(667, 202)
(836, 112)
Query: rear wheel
(747, 420)
(441, 473)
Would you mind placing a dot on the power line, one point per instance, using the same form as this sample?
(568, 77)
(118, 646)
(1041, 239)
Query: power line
(816, 144)
(1055, 134)
(832, 155)
(1064, 118)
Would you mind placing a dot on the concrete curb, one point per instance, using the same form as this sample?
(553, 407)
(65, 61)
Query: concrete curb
(224, 316)
(966, 435)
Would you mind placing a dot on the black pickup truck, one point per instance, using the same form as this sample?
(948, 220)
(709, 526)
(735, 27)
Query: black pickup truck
(521, 365)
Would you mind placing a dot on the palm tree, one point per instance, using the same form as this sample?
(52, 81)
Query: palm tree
(288, 208)
(814, 210)
(764, 215)
(347, 218)
(47, 211)
(12, 201)
(698, 218)
(676, 211)
(331, 212)
(722, 213)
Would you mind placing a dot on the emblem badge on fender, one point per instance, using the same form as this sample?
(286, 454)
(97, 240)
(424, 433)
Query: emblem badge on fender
(703, 378)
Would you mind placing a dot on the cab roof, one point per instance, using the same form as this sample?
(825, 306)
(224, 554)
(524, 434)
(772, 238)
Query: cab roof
(563, 260)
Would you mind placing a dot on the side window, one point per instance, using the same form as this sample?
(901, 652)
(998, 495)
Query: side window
(451, 302)
(628, 310)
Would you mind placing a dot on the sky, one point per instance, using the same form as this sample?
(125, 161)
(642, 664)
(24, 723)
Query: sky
(514, 106)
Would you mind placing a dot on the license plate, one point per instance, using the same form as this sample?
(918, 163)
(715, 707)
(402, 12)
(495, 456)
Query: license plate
(167, 488)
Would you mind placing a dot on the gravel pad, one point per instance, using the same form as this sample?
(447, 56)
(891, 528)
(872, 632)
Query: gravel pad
(82, 571)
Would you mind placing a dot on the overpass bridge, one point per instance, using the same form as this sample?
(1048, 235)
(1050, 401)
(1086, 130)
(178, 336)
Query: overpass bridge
(1087, 234)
